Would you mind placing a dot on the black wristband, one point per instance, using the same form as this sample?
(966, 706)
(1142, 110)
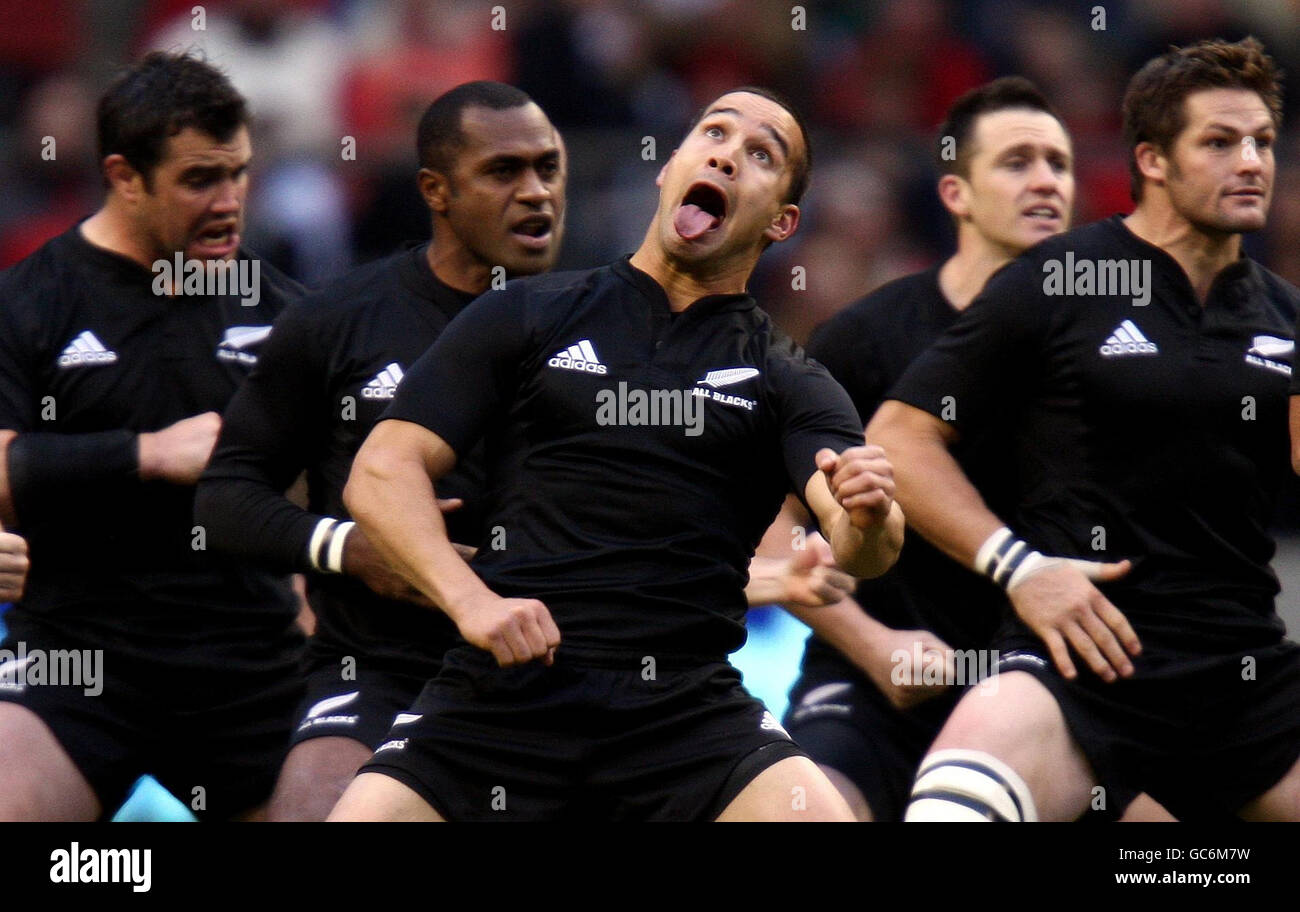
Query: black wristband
(43, 465)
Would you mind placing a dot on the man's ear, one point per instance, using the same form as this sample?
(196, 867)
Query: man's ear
(659, 181)
(122, 178)
(954, 193)
(435, 188)
(1151, 162)
(784, 225)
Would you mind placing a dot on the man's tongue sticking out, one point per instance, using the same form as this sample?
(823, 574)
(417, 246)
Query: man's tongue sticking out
(691, 221)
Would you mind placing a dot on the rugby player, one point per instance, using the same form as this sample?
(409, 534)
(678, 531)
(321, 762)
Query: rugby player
(1144, 363)
(492, 172)
(594, 681)
(112, 376)
(1005, 163)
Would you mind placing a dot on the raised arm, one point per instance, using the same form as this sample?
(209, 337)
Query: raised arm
(390, 494)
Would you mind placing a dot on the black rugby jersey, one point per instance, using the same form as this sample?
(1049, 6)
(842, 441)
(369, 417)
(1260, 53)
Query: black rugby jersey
(1153, 431)
(86, 346)
(867, 346)
(330, 368)
(636, 456)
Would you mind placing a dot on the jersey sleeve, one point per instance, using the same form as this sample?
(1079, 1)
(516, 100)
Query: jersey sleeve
(274, 421)
(814, 412)
(466, 380)
(989, 358)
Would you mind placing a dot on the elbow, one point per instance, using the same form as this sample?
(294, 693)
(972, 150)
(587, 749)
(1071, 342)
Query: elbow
(371, 469)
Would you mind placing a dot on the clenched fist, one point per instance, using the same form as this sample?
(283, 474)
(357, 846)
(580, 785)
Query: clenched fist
(514, 630)
(862, 481)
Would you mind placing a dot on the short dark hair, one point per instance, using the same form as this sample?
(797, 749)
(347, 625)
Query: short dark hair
(1154, 111)
(802, 171)
(953, 150)
(159, 97)
(440, 136)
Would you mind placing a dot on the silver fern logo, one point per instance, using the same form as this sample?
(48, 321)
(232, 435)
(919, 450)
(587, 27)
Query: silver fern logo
(727, 376)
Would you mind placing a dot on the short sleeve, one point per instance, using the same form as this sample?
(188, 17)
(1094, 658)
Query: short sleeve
(465, 381)
(814, 412)
(988, 358)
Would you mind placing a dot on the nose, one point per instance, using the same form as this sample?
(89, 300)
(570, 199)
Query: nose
(722, 162)
(229, 197)
(1043, 178)
(532, 189)
(1249, 161)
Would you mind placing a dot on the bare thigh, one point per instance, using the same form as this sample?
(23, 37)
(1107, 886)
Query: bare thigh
(38, 780)
(376, 797)
(314, 777)
(1281, 802)
(793, 789)
(1017, 720)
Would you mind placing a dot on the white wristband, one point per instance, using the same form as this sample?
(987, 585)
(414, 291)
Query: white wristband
(1002, 557)
(334, 561)
(318, 537)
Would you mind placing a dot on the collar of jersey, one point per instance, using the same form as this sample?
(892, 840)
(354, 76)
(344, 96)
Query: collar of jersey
(424, 283)
(653, 291)
(1236, 285)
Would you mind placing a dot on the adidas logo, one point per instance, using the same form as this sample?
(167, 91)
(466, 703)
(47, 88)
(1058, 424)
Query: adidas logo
(1127, 339)
(579, 356)
(384, 386)
(86, 349)
(769, 723)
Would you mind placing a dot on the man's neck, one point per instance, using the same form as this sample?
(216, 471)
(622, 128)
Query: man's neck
(111, 231)
(1201, 255)
(455, 267)
(686, 286)
(967, 271)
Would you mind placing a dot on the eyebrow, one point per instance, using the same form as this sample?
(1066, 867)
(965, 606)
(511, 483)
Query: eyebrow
(517, 159)
(777, 138)
(1226, 128)
(1032, 147)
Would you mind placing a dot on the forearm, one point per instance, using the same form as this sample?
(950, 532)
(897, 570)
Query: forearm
(941, 503)
(253, 521)
(766, 585)
(846, 627)
(867, 553)
(41, 468)
(392, 500)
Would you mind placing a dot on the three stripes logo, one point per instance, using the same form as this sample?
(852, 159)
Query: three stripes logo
(579, 356)
(384, 385)
(86, 349)
(1127, 339)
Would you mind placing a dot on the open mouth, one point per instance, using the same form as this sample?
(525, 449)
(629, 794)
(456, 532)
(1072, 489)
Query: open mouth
(1044, 213)
(703, 208)
(218, 239)
(533, 231)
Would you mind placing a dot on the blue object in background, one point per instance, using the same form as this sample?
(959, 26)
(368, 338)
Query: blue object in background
(149, 801)
(770, 658)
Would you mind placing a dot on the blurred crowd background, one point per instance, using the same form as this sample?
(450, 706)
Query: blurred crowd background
(873, 78)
